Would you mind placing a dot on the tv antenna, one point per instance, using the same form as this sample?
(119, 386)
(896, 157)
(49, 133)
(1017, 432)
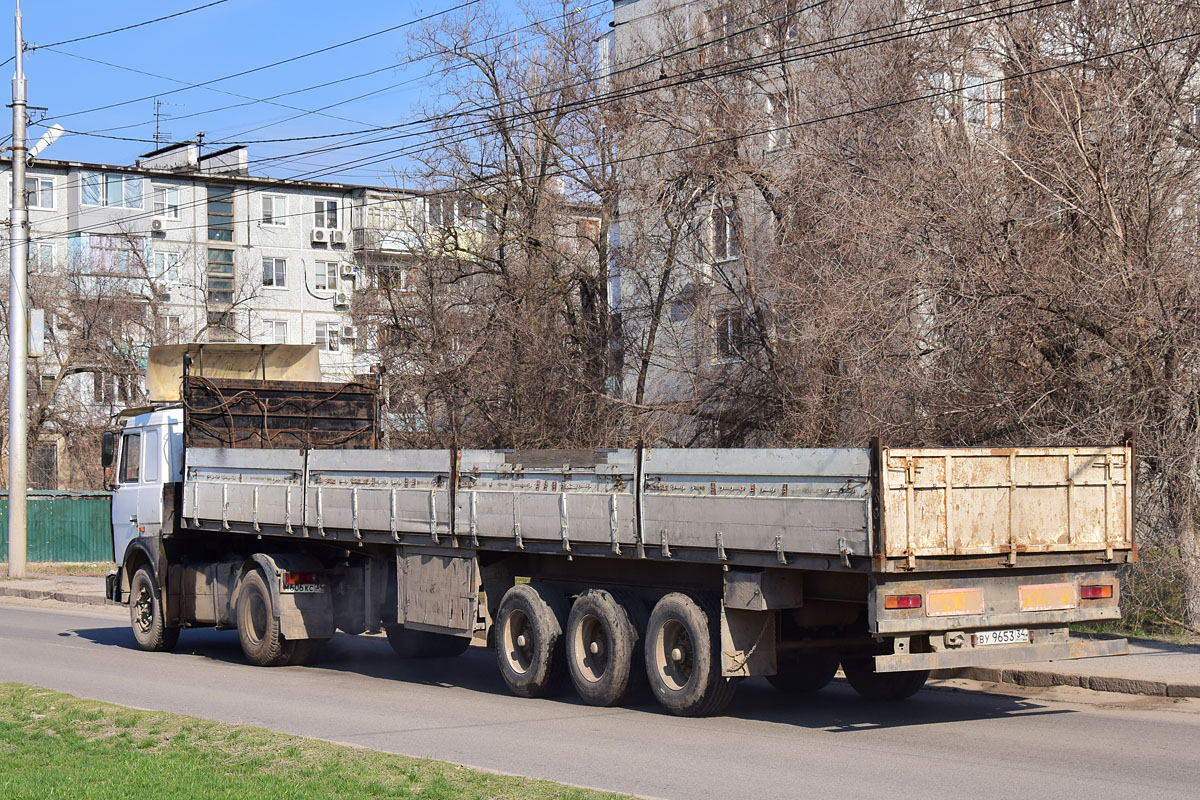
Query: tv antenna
(160, 136)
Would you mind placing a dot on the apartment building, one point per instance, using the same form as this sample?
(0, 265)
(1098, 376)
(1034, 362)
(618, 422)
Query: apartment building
(190, 247)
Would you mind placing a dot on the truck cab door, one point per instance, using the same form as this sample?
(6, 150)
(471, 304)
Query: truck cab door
(125, 497)
(150, 487)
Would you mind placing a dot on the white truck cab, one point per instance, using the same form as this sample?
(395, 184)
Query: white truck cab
(149, 462)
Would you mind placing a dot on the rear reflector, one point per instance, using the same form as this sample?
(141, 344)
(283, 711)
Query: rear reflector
(902, 601)
(953, 602)
(1047, 597)
(1096, 592)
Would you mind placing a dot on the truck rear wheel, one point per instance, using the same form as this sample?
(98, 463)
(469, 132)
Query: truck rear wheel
(883, 686)
(408, 643)
(683, 662)
(146, 615)
(258, 626)
(604, 652)
(530, 647)
(803, 673)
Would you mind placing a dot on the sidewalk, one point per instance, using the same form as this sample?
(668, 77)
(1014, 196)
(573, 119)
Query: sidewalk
(63, 588)
(1151, 668)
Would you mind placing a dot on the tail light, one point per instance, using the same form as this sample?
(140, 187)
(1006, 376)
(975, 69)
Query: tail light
(902, 601)
(1101, 592)
(299, 578)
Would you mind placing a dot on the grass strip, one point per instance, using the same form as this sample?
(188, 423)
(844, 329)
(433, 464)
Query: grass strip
(57, 745)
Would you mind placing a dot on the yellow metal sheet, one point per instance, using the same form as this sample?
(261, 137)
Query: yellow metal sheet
(276, 362)
(1048, 597)
(953, 602)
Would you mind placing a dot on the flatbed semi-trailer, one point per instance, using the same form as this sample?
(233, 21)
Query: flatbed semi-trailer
(607, 569)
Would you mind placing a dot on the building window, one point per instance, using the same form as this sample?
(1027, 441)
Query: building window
(116, 191)
(41, 256)
(275, 272)
(275, 331)
(441, 211)
(327, 337)
(165, 201)
(39, 193)
(166, 267)
(327, 275)
(222, 326)
(46, 385)
(780, 133)
(274, 210)
(43, 467)
(220, 214)
(220, 275)
(325, 213)
(103, 388)
(724, 235)
(115, 255)
(976, 92)
(588, 229)
(172, 329)
(733, 332)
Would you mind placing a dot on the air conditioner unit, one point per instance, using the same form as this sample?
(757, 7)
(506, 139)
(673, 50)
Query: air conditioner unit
(337, 236)
(349, 270)
(320, 235)
(158, 224)
(341, 299)
(349, 332)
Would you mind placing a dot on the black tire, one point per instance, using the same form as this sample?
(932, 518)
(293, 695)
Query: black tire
(146, 614)
(603, 647)
(530, 646)
(683, 661)
(258, 627)
(423, 644)
(803, 673)
(882, 686)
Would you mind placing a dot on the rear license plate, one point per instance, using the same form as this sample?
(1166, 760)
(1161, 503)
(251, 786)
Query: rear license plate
(303, 588)
(1003, 636)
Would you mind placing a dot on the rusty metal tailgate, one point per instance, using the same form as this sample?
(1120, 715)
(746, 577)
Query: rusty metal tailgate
(973, 501)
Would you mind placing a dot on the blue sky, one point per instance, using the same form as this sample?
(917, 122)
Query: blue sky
(227, 38)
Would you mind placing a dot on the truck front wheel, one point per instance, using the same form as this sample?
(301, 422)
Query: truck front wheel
(258, 625)
(529, 643)
(884, 686)
(682, 659)
(146, 615)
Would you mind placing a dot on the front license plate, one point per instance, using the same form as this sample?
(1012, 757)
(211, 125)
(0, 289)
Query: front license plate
(1004, 636)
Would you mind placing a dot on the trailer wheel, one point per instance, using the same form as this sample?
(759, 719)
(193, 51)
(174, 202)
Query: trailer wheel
(604, 646)
(530, 648)
(884, 686)
(683, 661)
(146, 615)
(800, 674)
(408, 643)
(258, 627)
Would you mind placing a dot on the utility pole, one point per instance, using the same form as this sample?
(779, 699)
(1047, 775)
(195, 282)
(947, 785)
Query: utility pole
(18, 331)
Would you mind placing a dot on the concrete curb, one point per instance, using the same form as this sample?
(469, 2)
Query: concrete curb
(62, 597)
(1097, 683)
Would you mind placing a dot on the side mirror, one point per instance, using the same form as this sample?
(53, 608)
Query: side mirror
(108, 449)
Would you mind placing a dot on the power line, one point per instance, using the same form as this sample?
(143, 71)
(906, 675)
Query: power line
(33, 47)
(281, 62)
(636, 89)
(751, 133)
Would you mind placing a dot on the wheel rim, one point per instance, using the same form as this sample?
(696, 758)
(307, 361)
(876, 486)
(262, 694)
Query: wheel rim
(592, 648)
(518, 641)
(674, 655)
(258, 617)
(143, 608)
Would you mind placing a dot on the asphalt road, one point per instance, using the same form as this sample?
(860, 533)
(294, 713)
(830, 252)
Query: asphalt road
(942, 743)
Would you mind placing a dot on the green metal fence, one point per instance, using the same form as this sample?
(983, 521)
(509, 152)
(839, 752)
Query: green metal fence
(63, 526)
